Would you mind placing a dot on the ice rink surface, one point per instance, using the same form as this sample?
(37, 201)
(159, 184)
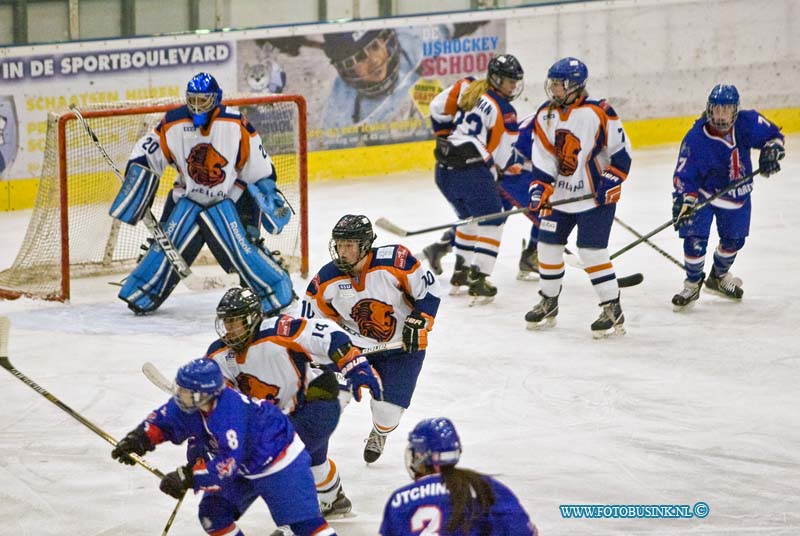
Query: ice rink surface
(687, 407)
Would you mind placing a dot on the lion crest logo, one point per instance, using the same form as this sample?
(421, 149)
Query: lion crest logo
(249, 385)
(567, 148)
(375, 319)
(206, 165)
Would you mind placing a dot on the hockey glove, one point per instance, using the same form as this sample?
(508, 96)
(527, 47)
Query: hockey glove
(415, 333)
(768, 161)
(540, 192)
(359, 373)
(177, 482)
(609, 189)
(136, 442)
(683, 207)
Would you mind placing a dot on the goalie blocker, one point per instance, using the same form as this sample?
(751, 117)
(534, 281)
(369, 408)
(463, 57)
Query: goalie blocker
(136, 195)
(189, 226)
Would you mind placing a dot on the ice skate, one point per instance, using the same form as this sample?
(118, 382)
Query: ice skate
(610, 322)
(282, 531)
(460, 277)
(436, 251)
(688, 295)
(481, 290)
(528, 264)
(544, 314)
(340, 507)
(374, 448)
(726, 286)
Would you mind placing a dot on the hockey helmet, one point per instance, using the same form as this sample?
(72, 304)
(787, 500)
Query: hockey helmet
(197, 383)
(368, 61)
(724, 100)
(432, 443)
(238, 317)
(355, 228)
(505, 67)
(572, 73)
(203, 94)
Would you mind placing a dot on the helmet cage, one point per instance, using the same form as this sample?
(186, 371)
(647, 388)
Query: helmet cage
(347, 67)
(354, 228)
(722, 98)
(197, 383)
(238, 317)
(203, 94)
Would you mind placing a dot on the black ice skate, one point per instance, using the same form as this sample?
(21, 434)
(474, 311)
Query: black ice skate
(688, 295)
(481, 290)
(528, 264)
(460, 276)
(374, 448)
(726, 286)
(610, 321)
(544, 314)
(436, 251)
(340, 506)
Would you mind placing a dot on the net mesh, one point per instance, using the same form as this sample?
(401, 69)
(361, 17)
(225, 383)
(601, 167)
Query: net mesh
(97, 243)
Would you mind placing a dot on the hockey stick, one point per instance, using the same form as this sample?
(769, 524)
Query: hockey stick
(393, 228)
(637, 234)
(706, 202)
(170, 252)
(5, 325)
(174, 514)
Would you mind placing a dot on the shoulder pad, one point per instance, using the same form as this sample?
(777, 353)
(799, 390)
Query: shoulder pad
(326, 273)
(394, 255)
(176, 115)
(215, 347)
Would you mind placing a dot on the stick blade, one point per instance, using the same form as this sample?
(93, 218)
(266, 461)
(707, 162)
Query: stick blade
(386, 225)
(156, 378)
(5, 328)
(630, 280)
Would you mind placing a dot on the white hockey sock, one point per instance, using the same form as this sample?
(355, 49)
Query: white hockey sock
(326, 479)
(465, 240)
(551, 268)
(487, 244)
(385, 416)
(601, 272)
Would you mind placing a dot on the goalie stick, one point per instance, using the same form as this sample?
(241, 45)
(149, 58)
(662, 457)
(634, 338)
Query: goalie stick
(393, 228)
(158, 379)
(170, 252)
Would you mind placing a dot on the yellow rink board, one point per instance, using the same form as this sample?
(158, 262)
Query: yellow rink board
(418, 156)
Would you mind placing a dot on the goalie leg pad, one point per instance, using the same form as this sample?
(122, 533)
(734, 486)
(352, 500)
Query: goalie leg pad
(222, 227)
(153, 279)
(136, 195)
(274, 212)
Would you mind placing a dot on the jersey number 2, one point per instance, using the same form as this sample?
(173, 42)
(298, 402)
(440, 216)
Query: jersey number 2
(428, 520)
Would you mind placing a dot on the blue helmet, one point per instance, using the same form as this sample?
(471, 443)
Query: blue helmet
(722, 95)
(368, 61)
(502, 67)
(572, 72)
(197, 383)
(203, 94)
(432, 443)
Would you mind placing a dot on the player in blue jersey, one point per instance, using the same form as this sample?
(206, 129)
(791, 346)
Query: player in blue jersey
(714, 153)
(444, 499)
(483, 134)
(245, 448)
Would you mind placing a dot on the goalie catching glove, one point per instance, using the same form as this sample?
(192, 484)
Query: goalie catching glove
(769, 159)
(358, 372)
(415, 332)
(136, 442)
(275, 213)
(177, 482)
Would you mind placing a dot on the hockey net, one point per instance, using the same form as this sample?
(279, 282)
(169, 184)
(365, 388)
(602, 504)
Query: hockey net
(70, 233)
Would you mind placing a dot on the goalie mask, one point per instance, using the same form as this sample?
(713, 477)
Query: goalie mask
(432, 443)
(722, 107)
(566, 80)
(197, 383)
(203, 94)
(351, 240)
(238, 317)
(367, 61)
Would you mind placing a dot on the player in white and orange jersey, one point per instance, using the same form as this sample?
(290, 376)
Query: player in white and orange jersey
(377, 295)
(579, 148)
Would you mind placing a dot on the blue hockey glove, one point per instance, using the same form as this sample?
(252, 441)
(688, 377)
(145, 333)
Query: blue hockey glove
(275, 214)
(415, 332)
(177, 482)
(609, 189)
(540, 192)
(683, 207)
(360, 374)
(136, 442)
(768, 160)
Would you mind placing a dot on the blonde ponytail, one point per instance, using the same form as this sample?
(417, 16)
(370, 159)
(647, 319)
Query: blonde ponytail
(473, 92)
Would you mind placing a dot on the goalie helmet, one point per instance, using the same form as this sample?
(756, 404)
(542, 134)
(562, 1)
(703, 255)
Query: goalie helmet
(357, 228)
(368, 61)
(572, 73)
(203, 94)
(505, 67)
(432, 443)
(238, 317)
(722, 107)
(197, 383)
